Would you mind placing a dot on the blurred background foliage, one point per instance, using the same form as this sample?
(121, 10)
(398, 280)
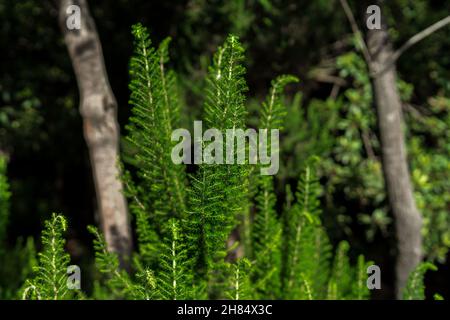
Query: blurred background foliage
(330, 113)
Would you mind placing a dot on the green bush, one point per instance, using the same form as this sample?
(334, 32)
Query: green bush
(216, 232)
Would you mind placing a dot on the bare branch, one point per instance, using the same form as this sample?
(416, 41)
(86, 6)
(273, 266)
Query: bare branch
(412, 41)
(334, 91)
(356, 31)
(420, 36)
(367, 144)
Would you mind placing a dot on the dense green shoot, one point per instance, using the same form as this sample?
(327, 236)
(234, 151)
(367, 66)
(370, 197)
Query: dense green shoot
(239, 287)
(174, 279)
(415, 289)
(190, 243)
(50, 281)
(155, 113)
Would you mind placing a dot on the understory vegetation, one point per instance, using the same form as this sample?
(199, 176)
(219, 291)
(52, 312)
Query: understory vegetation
(215, 231)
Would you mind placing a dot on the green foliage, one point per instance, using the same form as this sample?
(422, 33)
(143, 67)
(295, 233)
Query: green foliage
(225, 88)
(147, 237)
(273, 110)
(218, 192)
(207, 226)
(158, 191)
(19, 261)
(415, 289)
(431, 174)
(299, 265)
(307, 247)
(185, 229)
(359, 290)
(117, 280)
(266, 242)
(437, 296)
(218, 196)
(341, 131)
(4, 201)
(50, 280)
(341, 272)
(240, 286)
(155, 113)
(267, 229)
(360, 148)
(174, 279)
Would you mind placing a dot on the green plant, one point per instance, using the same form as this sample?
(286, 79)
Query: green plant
(343, 132)
(415, 289)
(174, 277)
(117, 282)
(155, 113)
(4, 202)
(50, 280)
(193, 242)
(185, 249)
(18, 261)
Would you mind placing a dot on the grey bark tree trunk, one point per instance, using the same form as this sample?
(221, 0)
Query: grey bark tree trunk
(408, 220)
(98, 108)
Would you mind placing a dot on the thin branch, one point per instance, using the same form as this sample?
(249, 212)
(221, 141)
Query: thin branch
(356, 31)
(412, 41)
(334, 91)
(367, 144)
(420, 36)
(328, 78)
(135, 198)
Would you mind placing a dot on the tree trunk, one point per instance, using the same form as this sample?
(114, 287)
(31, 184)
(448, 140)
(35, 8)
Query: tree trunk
(98, 108)
(408, 220)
